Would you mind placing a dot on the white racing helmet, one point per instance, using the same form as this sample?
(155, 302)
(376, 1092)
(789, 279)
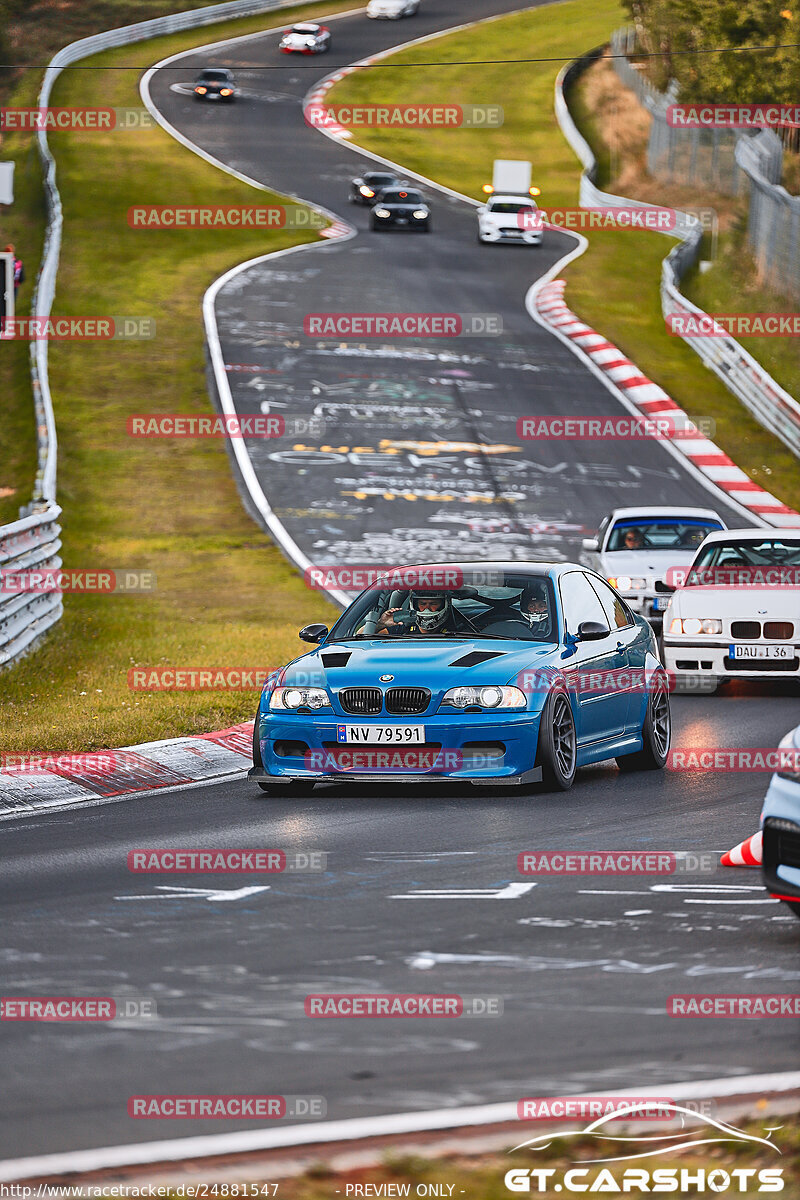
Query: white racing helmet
(430, 621)
(534, 607)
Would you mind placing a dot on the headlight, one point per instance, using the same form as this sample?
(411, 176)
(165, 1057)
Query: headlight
(382, 212)
(420, 214)
(311, 41)
(290, 698)
(467, 696)
(695, 625)
(793, 765)
(366, 191)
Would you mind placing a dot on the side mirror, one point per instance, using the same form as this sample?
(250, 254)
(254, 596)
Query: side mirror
(592, 631)
(590, 544)
(663, 587)
(482, 210)
(313, 633)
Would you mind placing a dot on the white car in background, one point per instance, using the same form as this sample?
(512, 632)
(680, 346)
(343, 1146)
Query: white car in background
(392, 9)
(640, 551)
(738, 614)
(780, 820)
(307, 38)
(506, 217)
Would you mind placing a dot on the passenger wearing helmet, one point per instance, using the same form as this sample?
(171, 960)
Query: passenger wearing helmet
(534, 608)
(431, 612)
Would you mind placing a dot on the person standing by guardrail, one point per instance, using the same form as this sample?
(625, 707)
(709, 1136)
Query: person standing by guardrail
(19, 270)
(18, 276)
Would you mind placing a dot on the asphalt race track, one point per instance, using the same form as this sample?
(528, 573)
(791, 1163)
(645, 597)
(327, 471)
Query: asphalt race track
(583, 966)
(391, 486)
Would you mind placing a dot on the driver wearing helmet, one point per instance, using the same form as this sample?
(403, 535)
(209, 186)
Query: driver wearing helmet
(534, 609)
(431, 612)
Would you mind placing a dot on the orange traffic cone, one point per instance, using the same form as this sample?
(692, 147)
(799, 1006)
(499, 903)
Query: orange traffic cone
(748, 853)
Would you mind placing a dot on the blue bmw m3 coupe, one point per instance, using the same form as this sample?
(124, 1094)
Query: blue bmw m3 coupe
(488, 673)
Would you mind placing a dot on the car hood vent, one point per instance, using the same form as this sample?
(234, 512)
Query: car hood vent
(477, 656)
(336, 660)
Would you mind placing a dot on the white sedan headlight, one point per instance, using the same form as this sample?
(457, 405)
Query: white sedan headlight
(382, 212)
(467, 696)
(627, 583)
(420, 214)
(290, 698)
(694, 625)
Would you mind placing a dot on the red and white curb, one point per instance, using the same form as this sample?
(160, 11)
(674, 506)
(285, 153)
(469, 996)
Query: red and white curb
(62, 780)
(652, 401)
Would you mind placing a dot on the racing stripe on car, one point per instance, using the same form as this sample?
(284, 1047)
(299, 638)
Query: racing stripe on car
(704, 454)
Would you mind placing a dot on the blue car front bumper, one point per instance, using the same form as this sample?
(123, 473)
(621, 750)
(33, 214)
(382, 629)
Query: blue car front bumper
(480, 749)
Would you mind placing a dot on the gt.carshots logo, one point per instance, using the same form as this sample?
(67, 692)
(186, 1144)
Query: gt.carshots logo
(703, 1131)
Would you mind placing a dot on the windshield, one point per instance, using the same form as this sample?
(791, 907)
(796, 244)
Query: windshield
(514, 606)
(379, 180)
(312, 29)
(714, 562)
(395, 197)
(511, 206)
(660, 533)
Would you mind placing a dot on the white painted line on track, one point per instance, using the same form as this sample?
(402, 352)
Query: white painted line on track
(358, 1128)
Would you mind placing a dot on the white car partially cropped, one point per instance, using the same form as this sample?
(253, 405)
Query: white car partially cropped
(780, 820)
(392, 9)
(642, 550)
(510, 218)
(738, 614)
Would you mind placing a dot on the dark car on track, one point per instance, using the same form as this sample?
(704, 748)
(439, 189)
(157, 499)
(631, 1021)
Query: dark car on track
(216, 83)
(365, 188)
(401, 208)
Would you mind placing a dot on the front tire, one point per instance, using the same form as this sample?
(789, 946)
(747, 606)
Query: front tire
(656, 733)
(557, 753)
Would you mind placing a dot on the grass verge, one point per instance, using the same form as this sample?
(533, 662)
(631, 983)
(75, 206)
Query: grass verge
(615, 285)
(481, 1177)
(225, 595)
(617, 127)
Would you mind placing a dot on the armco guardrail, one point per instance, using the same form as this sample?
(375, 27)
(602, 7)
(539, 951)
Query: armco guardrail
(33, 542)
(768, 402)
(35, 539)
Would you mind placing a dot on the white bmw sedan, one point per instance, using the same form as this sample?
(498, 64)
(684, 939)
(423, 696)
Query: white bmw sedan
(737, 616)
(392, 9)
(638, 550)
